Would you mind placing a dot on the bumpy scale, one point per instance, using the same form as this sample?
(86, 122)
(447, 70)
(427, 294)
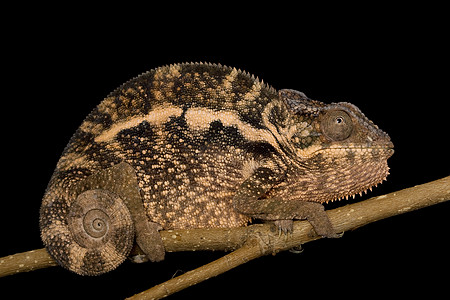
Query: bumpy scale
(201, 146)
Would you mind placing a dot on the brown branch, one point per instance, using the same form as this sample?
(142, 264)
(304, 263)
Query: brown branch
(250, 250)
(257, 240)
(25, 262)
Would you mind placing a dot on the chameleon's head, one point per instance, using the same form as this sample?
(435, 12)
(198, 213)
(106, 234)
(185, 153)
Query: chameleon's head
(344, 151)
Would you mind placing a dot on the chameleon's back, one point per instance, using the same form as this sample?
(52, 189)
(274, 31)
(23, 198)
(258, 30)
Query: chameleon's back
(186, 130)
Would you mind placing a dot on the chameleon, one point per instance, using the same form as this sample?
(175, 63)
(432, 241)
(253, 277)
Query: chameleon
(202, 145)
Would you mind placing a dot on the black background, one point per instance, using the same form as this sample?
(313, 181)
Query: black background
(390, 62)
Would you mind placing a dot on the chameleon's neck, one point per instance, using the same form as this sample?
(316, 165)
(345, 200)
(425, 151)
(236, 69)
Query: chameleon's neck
(276, 118)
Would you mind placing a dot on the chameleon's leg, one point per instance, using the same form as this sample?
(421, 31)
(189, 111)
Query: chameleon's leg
(121, 180)
(251, 199)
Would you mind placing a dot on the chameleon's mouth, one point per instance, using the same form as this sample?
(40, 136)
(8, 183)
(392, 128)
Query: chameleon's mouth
(387, 148)
(365, 152)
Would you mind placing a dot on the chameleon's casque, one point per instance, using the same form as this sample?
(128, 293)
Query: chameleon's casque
(199, 146)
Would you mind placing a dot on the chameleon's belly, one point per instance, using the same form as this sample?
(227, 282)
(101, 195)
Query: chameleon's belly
(192, 189)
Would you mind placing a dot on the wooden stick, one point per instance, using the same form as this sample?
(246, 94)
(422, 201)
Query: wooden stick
(249, 251)
(25, 262)
(257, 240)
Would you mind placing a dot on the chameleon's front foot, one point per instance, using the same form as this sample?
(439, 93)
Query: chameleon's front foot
(284, 226)
(321, 226)
(251, 199)
(316, 215)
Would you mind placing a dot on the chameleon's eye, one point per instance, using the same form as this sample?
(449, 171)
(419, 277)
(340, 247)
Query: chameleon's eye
(337, 125)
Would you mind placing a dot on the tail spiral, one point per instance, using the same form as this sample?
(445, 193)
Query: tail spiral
(90, 236)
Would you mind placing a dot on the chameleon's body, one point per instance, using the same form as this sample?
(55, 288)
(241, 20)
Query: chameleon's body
(202, 145)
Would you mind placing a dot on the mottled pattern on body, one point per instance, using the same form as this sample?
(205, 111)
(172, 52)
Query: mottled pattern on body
(212, 146)
(187, 130)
